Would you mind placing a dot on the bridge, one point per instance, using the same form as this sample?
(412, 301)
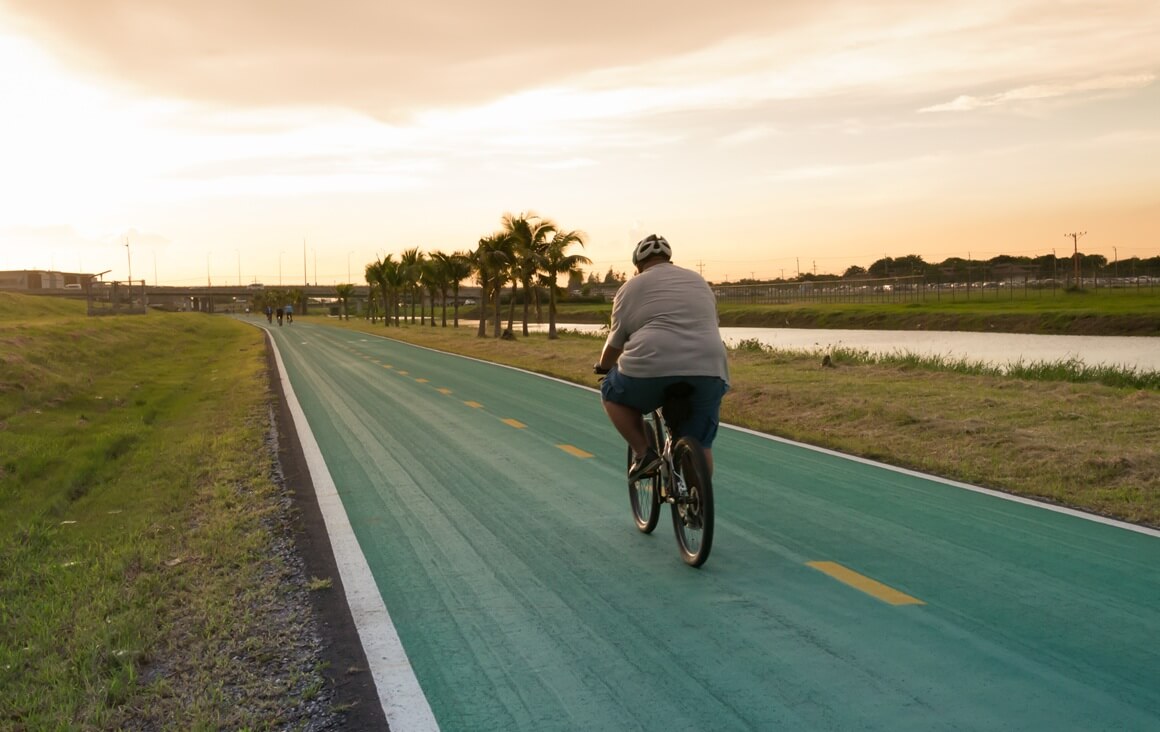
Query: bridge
(209, 298)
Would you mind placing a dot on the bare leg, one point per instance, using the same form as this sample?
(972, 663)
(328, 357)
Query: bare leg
(629, 424)
(709, 459)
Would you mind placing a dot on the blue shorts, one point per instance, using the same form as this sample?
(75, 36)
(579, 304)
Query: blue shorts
(647, 394)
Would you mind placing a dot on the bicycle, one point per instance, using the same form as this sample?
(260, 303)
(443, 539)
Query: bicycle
(683, 480)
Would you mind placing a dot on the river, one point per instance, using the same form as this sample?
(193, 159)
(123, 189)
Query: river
(997, 349)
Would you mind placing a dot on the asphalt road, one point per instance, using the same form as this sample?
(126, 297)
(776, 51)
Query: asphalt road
(491, 508)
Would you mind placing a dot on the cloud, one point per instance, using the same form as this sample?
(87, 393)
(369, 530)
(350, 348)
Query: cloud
(747, 136)
(387, 58)
(966, 103)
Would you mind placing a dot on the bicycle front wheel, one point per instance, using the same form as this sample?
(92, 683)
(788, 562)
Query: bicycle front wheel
(644, 494)
(693, 507)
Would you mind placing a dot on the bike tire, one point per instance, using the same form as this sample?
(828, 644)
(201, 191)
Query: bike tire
(644, 494)
(693, 513)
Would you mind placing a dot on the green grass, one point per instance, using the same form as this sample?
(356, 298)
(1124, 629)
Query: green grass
(137, 512)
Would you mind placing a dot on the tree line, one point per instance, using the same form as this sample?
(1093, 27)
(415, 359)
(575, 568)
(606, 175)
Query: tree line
(1004, 266)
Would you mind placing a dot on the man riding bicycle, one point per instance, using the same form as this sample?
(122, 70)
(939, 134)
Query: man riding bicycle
(664, 331)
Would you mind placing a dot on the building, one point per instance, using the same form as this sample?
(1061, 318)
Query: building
(40, 280)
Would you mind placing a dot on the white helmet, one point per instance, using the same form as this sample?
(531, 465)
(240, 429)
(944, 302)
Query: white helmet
(650, 246)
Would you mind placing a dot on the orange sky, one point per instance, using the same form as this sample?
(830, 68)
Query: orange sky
(234, 140)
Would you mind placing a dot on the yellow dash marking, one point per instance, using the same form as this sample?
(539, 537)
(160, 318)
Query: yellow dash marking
(515, 423)
(474, 405)
(865, 584)
(421, 381)
(443, 390)
(388, 366)
(573, 450)
(404, 373)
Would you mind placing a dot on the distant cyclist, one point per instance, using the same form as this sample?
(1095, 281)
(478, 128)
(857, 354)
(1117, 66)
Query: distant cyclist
(290, 313)
(664, 331)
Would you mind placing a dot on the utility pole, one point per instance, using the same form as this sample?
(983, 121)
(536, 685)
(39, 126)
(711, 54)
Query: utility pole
(129, 256)
(1075, 257)
(305, 279)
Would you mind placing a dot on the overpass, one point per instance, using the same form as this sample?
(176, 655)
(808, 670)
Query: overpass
(208, 298)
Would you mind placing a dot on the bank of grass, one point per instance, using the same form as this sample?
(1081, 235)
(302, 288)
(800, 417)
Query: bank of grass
(1106, 311)
(1046, 431)
(138, 525)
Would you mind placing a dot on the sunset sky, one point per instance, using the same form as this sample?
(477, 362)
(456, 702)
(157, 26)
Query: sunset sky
(272, 140)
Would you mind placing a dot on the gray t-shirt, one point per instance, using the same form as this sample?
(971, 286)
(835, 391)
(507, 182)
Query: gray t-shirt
(665, 322)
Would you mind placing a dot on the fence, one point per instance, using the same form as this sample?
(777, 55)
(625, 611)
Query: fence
(914, 288)
(117, 298)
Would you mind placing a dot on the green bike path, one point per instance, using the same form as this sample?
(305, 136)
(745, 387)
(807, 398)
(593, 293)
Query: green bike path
(490, 505)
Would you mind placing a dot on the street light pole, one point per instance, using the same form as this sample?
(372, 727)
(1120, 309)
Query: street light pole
(280, 268)
(129, 256)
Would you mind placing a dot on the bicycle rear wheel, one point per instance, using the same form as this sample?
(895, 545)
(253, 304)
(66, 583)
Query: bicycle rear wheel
(644, 494)
(693, 508)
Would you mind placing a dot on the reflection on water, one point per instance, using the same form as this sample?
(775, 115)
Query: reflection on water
(999, 349)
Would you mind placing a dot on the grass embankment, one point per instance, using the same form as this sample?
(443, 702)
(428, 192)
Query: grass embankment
(1039, 434)
(139, 576)
(1087, 312)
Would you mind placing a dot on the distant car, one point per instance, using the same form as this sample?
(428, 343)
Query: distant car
(256, 286)
(72, 286)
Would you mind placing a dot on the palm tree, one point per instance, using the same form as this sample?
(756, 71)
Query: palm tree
(394, 281)
(459, 268)
(373, 273)
(429, 278)
(530, 234)
(491, 260)
(344, 291)
(410, 261)
(557, 262)
(443, 263)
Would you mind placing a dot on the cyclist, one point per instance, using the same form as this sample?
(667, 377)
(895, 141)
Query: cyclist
(664, 331)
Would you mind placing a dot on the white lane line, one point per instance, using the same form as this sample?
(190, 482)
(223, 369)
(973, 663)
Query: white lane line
(402, 699)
